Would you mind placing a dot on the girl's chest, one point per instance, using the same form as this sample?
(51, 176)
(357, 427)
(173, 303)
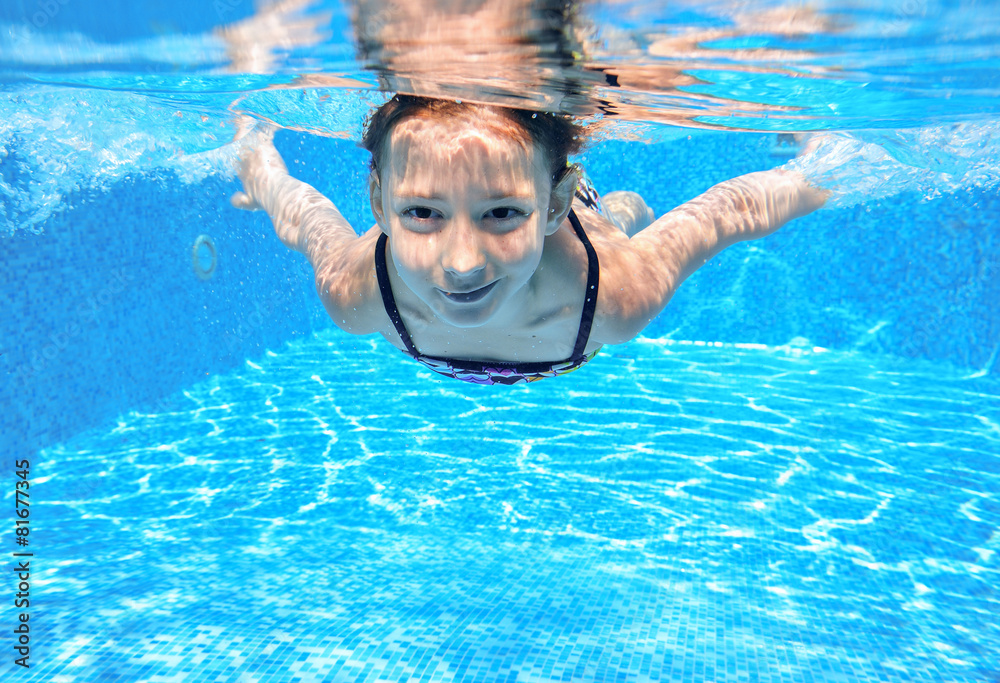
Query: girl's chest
(545, 333)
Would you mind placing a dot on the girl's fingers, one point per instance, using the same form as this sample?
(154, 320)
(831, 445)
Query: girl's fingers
(241, 200)
(246, 125)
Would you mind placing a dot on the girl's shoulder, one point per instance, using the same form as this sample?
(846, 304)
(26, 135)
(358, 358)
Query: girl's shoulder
(565, 261)
(620, 268)
(349, 288)
(597, 226)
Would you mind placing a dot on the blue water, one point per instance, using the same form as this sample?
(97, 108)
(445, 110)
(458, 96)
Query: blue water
(792, 475)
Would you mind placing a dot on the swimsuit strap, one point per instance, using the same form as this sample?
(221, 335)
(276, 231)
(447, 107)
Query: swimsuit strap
(593, 282)
(388, 300)
(589, 303)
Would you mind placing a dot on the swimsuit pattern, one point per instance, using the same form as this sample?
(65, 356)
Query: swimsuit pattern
(587, 193)
(498, 372)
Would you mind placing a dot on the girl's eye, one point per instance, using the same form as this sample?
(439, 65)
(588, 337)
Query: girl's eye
(503, 213)
(421, 213)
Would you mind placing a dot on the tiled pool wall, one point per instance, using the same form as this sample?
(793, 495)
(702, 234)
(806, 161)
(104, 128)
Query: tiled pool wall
(103, 312)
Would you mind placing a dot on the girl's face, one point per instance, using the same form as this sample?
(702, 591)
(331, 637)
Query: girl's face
(467, 209)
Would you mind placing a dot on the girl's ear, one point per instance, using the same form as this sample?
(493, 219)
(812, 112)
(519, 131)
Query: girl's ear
(375, 198)
(561, 201)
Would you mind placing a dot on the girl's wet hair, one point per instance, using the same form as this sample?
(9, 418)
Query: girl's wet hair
(557, 135)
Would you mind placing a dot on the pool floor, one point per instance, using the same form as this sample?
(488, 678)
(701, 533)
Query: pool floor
(670, 512)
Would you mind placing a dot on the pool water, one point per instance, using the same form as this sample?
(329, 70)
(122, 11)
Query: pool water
(680, 512)
(792, 475)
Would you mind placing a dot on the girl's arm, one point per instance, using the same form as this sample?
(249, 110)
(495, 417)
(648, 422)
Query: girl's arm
(304, 220)
(309, 223)
(644, 275)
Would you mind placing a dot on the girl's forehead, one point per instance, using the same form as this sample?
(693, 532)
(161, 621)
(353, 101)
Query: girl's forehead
(457, 141)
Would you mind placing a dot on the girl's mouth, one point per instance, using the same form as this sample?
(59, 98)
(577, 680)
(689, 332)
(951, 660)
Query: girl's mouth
(469, 297)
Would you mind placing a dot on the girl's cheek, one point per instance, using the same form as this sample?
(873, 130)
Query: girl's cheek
(518, 246)
(416, 255)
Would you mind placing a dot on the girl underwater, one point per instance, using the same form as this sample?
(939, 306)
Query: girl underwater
(489, 261)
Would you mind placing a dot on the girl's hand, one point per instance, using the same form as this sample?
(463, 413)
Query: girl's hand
(258, 167)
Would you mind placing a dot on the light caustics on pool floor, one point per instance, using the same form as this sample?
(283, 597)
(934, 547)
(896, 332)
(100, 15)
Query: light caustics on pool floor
(671, 512)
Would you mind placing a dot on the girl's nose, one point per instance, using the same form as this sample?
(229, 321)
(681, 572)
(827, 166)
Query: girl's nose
(462, 256)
